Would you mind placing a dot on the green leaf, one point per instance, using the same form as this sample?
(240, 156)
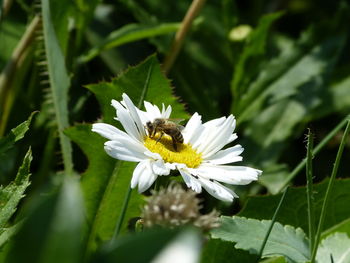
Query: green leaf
(145, 81)
(255, 46)
(15, 135)
(14, 192)
(59, 83)
(7, 233)
(52, 229)
(104, 184)
(343, 226)
(294, 209)
(217, 250)
(143, 247)
(130, 33)
(248, 234)
(336, 246)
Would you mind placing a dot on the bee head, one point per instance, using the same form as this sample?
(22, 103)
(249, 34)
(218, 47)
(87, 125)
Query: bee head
(149, 127)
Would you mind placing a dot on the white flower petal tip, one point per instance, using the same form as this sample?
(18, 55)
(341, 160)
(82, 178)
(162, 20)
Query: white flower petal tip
(200, 159)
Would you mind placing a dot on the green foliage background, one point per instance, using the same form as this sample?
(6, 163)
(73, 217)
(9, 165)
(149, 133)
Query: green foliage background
(62, 62)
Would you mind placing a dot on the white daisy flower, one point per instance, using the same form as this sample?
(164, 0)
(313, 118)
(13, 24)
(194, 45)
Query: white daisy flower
(200, 159)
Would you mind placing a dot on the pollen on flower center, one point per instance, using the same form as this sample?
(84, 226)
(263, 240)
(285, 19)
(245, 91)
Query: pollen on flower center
(185, 153)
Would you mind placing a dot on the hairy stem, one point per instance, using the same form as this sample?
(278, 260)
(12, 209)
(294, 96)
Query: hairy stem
(309, 190)
(318, 148)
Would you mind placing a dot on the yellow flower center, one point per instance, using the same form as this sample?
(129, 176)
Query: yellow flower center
(185, 153)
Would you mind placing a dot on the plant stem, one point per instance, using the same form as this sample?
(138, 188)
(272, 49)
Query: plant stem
(181, 33)
(6, 5)
(318, 148)
(273, 220)
(11, 67)
(309, 190)
(122, 214)
(329, 189)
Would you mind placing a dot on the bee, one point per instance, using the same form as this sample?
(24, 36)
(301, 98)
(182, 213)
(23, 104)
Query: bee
(165, 126)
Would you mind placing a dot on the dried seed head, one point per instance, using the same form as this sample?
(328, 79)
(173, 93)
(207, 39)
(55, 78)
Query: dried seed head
(174, 206)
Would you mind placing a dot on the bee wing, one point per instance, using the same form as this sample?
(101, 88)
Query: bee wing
(176, 120)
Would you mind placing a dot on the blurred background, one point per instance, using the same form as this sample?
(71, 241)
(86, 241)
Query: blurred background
(279, 66)
(286, 70)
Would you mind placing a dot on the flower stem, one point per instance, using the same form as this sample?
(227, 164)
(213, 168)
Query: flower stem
(318, 148)
(309, 190)
(181, 33)
(273, 220)
(329, 189)
(122, 214)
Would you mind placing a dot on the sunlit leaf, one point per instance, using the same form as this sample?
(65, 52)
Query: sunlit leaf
(337, 247)
(282, 99)
(294, 209)
(248, 234)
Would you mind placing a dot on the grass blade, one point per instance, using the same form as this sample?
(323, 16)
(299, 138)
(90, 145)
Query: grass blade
(273, 220)
(329, 188)
(59, 84)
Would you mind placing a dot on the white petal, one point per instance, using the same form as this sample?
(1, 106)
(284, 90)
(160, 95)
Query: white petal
(108, 131)
(147, 177)
(141, 166)
(133, 112)
(122, 153)
(215, 122)
(128, 143)
(153, 111)
(229, 155)
(152, 155)
(239, 175)
(159, 168)
(143, 176)
(218, 191)
(193, 129)
(127, 121)
(217, 137)
(167, 112)
(215, 133)
(190, 181)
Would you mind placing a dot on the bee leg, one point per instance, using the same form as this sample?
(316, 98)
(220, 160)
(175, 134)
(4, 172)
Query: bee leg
(174, 144)
(160, 137)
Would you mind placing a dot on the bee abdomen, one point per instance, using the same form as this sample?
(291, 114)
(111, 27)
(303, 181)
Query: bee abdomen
(179, 138)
